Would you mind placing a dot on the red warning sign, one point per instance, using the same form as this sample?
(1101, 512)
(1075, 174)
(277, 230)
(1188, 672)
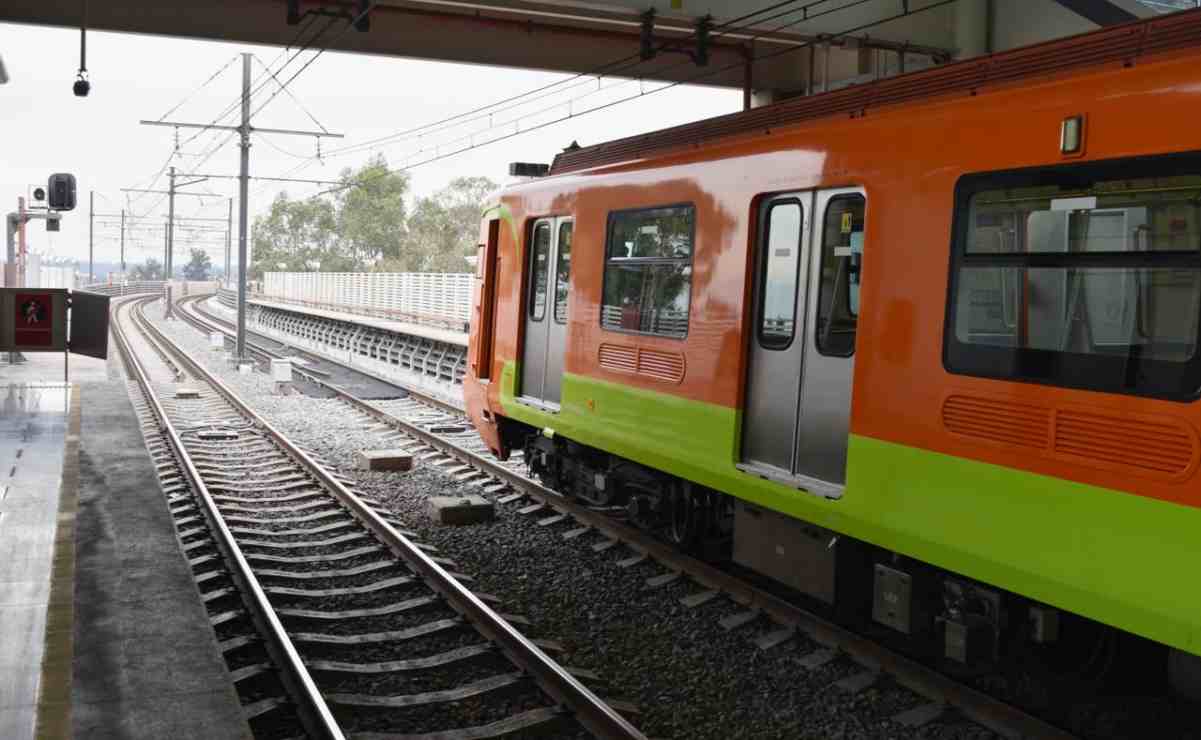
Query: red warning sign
(34, 320)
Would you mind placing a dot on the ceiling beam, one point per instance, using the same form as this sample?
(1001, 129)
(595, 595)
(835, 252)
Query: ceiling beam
(1101, 12)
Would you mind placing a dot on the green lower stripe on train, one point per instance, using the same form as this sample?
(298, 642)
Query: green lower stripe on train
(1120, 558)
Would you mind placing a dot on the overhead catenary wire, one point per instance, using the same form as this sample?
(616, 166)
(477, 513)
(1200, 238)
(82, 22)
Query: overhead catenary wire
(667, 86)
(608, 69)
(263, 77)
(202, 85)
(509, 122)
(611, 68)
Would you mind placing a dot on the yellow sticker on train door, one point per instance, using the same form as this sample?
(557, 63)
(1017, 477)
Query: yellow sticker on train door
(847, 219)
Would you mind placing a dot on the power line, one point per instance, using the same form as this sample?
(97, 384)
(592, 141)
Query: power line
(262, 80)
(903, 14)
(291, 95)
(204, 84)
(284, 87)
(606, 69)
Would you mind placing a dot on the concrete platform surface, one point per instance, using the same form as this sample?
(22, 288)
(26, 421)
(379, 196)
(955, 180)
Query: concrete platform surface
(35, 421)
(39, 367)
(146, 661)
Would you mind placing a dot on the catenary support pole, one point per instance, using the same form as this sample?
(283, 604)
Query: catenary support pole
(168, 266)
(21, 254)
(91, 229)
(122, 243)
(243, 195)
(229, 230)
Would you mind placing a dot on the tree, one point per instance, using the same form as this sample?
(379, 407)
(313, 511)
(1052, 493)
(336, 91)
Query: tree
(295, 235)
(371, 213)
(151, 269)
(199, 266)
(443, 228)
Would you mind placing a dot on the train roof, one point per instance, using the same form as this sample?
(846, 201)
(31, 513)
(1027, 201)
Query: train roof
(1125, 44)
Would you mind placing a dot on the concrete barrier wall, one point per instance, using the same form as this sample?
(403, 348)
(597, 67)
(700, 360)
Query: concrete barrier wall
(430, 298)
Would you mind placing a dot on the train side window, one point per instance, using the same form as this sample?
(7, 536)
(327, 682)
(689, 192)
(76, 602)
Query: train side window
(780, 272)
(648, 271)
(563, 272)
(539, 270)
(841, 262)
(1087, 276)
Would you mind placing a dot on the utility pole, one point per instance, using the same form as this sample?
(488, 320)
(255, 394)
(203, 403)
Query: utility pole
(21, 244)
(244, 130)
(91, 228)
(229, 230)
(243, 205)
(168, 272)
(166, 238)
(122, 243)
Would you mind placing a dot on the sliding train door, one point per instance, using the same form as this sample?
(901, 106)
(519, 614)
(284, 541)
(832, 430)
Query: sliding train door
(806, 299)
(548, 289)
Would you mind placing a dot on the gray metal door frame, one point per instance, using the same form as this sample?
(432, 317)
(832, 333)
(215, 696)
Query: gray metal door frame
(796, 419)
(774, 373)
(545, 339)
(825, 417)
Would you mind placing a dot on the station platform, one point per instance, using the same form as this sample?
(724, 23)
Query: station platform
(445, 336)
(104, 633)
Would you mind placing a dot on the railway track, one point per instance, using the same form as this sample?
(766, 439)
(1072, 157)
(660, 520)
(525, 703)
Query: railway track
(442, 436)
(368, 633)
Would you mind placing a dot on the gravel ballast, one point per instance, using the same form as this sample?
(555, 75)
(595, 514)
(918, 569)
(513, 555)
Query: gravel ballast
(689, 677)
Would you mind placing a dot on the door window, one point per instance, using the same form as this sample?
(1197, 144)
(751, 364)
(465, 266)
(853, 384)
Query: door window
(562, 272)
(841, 261)
(540, 267)
(781, 260)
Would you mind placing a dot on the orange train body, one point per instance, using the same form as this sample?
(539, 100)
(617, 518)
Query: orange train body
(908, 159)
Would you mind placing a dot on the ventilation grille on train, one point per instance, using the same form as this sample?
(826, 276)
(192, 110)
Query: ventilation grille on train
(649, 363)
(1163, 448)
(1118, 44)
(1000, 421)
(1157, 447)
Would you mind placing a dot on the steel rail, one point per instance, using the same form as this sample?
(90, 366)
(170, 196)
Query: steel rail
(584, 706)
(994, 714)
(1004, 719)
(201, 316)
(312, 708)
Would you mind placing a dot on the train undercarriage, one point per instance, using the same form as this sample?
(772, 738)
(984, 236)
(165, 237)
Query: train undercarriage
(963, 627)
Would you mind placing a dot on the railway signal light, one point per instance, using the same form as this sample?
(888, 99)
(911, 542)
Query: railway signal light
(61, 187)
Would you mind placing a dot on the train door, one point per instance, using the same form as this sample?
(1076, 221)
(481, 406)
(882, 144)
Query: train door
(806, 299)
(546, 312)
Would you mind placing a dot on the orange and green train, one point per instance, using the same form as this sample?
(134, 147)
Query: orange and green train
(925, 349)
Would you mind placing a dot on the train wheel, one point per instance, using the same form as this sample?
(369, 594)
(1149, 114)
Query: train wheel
(687, 515)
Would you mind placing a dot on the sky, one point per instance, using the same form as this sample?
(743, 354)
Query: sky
(44, 128)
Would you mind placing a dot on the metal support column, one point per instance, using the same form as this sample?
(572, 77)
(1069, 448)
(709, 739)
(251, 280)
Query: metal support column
(748, 67)
(243, 195)
(168, 266)
(91, 229)
(122, 243)
(229, 230)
